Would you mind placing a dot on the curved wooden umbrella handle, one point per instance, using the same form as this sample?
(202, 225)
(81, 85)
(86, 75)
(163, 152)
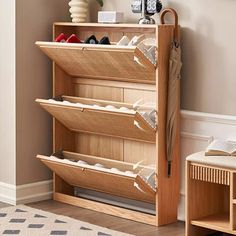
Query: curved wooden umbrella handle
(176, 20)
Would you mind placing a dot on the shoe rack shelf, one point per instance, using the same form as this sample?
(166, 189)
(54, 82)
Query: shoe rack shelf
(116, 183)
(108, 74)
(103, 122)
(211, 193)
(100, 61)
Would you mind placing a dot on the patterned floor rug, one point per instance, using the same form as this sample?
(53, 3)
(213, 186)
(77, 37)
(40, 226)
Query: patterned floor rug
(26, 221)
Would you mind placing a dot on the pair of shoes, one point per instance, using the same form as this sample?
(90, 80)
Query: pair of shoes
(125, 41)
(63, 39)
(93, 40)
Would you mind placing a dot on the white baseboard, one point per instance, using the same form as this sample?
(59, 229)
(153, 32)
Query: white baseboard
(197, 129)
(26, 193)
(7, 193)
(34, 192)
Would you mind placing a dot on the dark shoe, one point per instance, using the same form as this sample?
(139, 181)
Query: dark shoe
(73, 39)
(105, 40)
(91, 40)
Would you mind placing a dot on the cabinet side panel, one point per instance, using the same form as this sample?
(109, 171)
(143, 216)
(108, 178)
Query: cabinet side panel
(168, 187)
(63, 139)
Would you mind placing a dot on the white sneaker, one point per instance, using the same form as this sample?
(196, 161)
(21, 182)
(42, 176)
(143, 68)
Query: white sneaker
(124, 41)
(152, 51)
(136, 40)
(149, 52)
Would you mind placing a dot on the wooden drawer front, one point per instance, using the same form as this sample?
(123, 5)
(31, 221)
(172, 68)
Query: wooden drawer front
(100, 61)
(209, 174)
(103, 122)
(112, 183)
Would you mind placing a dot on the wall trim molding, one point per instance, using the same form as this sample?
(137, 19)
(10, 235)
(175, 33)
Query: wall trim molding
(26, 193)
(188, 135)
(208, 117)
(7, 193)
(34, 192)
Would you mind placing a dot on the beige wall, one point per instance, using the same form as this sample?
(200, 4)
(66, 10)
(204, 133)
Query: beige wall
(34, 21)
(209, 51)
(7, 92)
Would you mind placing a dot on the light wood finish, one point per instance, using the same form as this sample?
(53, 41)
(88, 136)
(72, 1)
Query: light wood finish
(210, 199)
(99, 92)
(93, 120)
(168, 188)
(114, 84)
(100, 61)
(233, 217)
(144, 96)
(62, 137)
(210, 174)
(118, 27)
(107, 209)
(215, 222)
(92, 144)
(111, 183)
(135, 152)
(114, 76)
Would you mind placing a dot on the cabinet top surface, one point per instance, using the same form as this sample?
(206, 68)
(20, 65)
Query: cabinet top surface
(105, 25)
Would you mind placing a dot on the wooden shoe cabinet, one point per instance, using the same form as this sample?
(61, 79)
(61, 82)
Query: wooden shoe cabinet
(119, 76)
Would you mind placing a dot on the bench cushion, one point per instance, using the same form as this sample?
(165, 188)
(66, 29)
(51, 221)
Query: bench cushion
(219, 161)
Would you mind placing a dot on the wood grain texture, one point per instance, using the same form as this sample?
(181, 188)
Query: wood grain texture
(168, 187)
(116, 69)
(102, 146)
(114, 84)
(210, 200)
(134, 95)
(99, 92)
(135, 152)
(62, 137)
(102, 122)
(217, 222)
(100, 61)
(107, 209)
(98, 145)
(210, 174)
(116, 184)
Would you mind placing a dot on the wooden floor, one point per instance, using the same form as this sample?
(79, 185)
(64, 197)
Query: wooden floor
(107, 221)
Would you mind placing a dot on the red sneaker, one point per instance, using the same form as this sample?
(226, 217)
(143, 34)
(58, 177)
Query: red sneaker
(61, 38)
(73, 39)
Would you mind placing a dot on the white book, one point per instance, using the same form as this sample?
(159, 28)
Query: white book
(221, 148)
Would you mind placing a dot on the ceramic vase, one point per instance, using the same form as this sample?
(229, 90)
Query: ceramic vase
(78, 10)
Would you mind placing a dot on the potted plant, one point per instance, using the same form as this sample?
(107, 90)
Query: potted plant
(79, 10)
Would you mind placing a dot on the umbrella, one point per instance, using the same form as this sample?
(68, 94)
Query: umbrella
(175, 65)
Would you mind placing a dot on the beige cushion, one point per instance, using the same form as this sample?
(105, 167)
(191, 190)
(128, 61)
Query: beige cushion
(219, 161)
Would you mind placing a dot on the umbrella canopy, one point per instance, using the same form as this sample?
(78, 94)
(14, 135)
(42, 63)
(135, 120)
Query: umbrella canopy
(175, 65)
